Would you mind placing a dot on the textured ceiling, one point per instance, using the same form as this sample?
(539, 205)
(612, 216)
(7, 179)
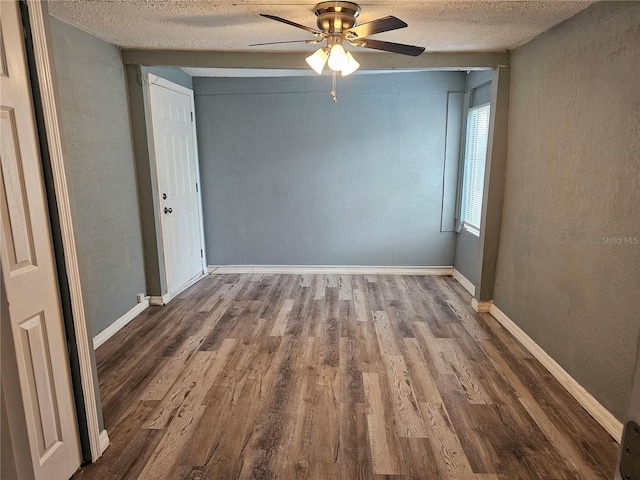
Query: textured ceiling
(451, 26)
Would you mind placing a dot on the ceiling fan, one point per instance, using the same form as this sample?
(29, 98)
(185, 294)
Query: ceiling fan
(337, 25)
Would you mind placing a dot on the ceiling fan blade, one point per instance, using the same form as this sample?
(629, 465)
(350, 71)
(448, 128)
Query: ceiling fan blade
(317, 33)
(380, 25)
(288, 41)
(389, 47)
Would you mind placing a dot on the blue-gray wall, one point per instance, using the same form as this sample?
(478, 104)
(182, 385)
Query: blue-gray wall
(100, 173)
(173, 74)
(568, 270)
(478, 92)
(290, 178)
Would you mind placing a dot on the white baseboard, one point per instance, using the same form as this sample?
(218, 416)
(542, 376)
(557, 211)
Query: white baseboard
(465, 282)
(116, 326)
(610, 423)
(158, 300)
(328, 269)
(104, 441)
(481, 307)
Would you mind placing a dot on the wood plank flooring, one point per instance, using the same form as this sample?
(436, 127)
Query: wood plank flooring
(335, 377)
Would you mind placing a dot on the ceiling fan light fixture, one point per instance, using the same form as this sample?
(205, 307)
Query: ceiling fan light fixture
(352, 65)
(337, 26)
(318, 60)
(338, 59)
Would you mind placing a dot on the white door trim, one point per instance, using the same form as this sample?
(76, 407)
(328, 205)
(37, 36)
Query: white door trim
(39, 20)
(152, 79)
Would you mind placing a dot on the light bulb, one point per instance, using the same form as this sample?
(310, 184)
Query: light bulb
(317, 60)
(351, 67)
(338, 58)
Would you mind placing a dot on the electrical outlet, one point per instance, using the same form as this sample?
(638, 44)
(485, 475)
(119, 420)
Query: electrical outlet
(140, 297)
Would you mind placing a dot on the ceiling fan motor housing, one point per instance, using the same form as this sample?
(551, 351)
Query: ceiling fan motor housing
(335, 17)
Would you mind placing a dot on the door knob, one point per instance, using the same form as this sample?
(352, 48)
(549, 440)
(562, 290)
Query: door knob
(168, 210)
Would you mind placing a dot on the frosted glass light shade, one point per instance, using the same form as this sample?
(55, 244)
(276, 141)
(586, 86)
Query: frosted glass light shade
(338, 58)
(352, 65)
(317, 60)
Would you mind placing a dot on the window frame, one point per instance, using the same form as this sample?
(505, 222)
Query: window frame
(464, 220)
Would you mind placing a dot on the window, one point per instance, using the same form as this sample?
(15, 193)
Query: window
(475, 156)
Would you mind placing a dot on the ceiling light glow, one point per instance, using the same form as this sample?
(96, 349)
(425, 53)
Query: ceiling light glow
(318, 60)
(337, 58)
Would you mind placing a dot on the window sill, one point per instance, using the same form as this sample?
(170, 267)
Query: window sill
(471, 229)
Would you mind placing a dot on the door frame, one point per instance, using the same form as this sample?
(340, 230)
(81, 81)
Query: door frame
(49, 100)
(152, 79)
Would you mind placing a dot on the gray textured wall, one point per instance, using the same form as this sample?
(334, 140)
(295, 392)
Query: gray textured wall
(100, 173)
(146, 179)
(572, 191)
(289, 177)
(468, 244)
(466, 260)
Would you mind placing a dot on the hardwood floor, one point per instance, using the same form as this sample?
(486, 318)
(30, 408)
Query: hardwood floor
(335, 377)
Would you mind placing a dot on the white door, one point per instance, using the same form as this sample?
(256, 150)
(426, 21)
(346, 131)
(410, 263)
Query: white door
(28, 270)
(176, 161)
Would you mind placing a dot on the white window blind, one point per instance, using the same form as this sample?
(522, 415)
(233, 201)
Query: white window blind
(475, 156)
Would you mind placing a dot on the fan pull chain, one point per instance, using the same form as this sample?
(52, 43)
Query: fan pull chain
(333, 87)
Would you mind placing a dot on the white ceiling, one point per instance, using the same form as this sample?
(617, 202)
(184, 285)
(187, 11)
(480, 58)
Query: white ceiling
(440, 26)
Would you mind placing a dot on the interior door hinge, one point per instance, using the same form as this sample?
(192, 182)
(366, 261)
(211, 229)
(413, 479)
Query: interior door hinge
(201, 254)
(192, 116)
(197, 187)
(630, 458)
